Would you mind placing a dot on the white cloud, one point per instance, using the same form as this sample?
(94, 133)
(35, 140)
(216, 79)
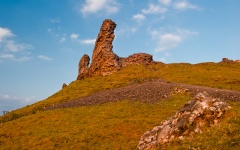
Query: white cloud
(184, 4)
(4, 33)
(12, 46)
(7, 56)
(93, 6)
(63, 39)
(23, 58)
(154, 9)
(165, 2)
(166, 39)
(74, 36)
(42, 57)
(126, 30)
(138, 17)
(13, 57)
(11, 102)
(88, 41)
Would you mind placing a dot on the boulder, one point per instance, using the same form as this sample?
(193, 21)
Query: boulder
(137, 59)
(189, 120)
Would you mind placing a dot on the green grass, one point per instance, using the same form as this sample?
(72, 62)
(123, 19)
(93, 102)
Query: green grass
(108, 126)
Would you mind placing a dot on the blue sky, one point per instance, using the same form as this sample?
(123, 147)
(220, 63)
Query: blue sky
(41, 41)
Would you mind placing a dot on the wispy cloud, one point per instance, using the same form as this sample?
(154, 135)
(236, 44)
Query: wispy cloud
(154, 9)
(126, 30)
(11, 102)
(13, 57)
(12, 46)
(168, 41)
(55, 20)
(5, 33)
(12, 50)
(74, 36)
(170, 38)
(43, 57)
(184, 4)
(63, 39)
(94, 6)
(88, 41)
(138, 17)
(7, 56)
(165, 2)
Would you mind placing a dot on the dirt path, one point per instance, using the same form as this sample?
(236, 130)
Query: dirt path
(152, 91)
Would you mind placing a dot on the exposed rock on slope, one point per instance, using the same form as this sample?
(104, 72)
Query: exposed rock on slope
(151, 92)
(187, 121)
(226, 60)
(83, 69)
(104, 61)
(64, 85)
(139, 58)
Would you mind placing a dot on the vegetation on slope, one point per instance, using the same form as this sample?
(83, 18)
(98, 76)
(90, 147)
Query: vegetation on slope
(218, 75)
(108, 126)
(225, 135)
(115, 125)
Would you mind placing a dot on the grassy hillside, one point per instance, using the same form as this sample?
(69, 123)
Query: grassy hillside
(218, 75)
(115, 125)
(108, 126)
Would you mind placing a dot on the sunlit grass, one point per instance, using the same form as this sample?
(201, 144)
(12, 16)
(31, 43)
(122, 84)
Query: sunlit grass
(120, 125)
(108, 126)
(225, 135)
(218, 75)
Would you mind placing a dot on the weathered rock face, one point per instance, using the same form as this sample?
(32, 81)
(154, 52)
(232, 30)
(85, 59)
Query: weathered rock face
(187, 121)
(104, 61)
(83, 69)
(137, 59)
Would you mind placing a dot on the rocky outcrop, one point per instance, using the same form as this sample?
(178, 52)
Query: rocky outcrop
(64, 85)
(226, 60)
(83, 69)
(137, 59)
(187, 121)
(104, 60)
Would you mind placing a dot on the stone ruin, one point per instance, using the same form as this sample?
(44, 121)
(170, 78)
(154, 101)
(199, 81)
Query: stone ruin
(104, 61)
(187, 121)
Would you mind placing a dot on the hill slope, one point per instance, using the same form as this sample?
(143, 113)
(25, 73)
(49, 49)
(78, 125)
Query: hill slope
(123, 122)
